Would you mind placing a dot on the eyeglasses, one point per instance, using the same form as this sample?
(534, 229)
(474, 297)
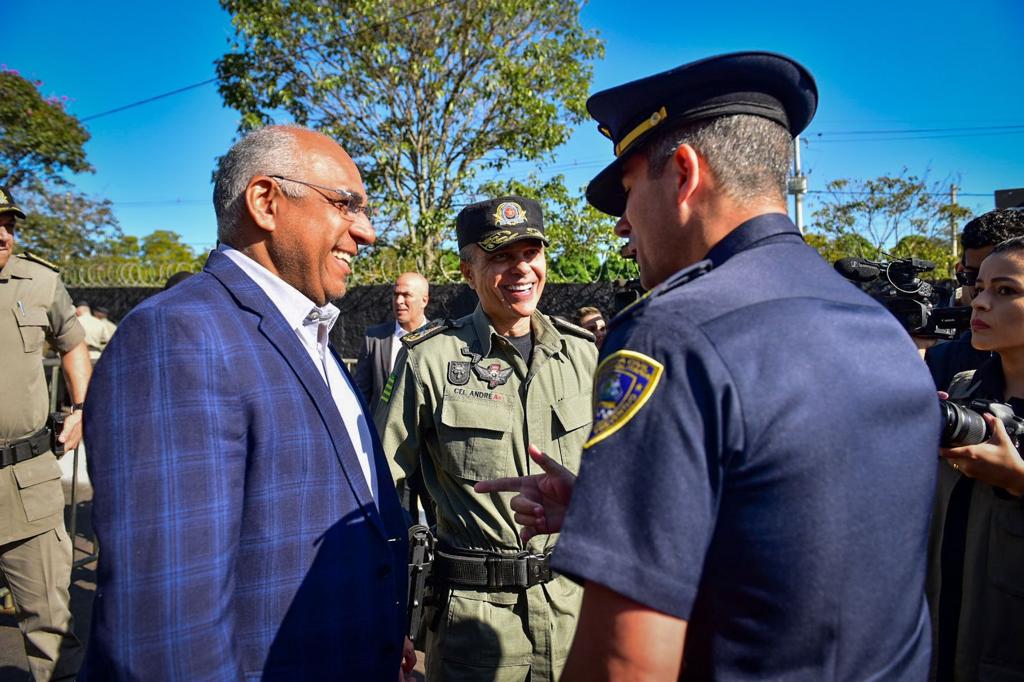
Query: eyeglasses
(349, 203)
(967, 277)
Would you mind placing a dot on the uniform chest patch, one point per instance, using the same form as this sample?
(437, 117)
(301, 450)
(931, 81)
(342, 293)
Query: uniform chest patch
(493, 374)
(623, 383)
(458, 373)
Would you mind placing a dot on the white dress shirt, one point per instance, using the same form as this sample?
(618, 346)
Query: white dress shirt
(312, 325)
(396, 345)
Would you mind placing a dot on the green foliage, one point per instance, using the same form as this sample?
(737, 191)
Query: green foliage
(38, 139)
(39, 143)
(164, 246)
(423, 96)
(64, 226)
(584, 247)
(901, 215)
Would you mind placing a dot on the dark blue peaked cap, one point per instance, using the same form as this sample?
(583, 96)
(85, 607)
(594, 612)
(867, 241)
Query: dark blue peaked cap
(759, 83)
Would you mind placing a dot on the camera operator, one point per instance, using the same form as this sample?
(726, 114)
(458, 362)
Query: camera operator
(978, 238)
(976, 573)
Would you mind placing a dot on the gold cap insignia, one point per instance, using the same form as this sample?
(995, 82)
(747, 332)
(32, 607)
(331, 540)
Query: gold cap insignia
(509, 213)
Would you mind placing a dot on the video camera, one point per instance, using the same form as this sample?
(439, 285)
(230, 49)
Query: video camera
(914, 302)
(962, 423)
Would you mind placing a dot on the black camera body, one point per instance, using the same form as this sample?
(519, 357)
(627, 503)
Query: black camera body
(897, 286)
(962, 423)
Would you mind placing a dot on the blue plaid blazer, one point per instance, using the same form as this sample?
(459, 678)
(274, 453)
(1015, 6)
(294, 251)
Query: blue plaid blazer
(237, 535)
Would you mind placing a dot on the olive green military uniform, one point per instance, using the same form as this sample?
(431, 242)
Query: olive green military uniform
(462, 405)
(35, 550)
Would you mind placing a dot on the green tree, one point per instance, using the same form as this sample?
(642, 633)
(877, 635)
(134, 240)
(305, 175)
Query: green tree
(63, 226)
(901, 215)
(165, 246)
(423, 96)
(39, 141)
(584, 247)
(39, 144)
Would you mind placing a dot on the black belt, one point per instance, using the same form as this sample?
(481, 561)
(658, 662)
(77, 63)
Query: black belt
(26, 448)
(491, 570)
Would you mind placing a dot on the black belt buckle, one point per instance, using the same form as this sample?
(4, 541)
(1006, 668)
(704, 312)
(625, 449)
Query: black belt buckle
(538, 568)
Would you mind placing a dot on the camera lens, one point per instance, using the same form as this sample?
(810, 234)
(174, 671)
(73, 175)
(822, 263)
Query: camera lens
(961, 426)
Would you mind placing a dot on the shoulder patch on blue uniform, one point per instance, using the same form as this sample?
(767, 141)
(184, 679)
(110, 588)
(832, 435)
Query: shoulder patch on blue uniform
(624, 381)
(564, 325)
(425, 332)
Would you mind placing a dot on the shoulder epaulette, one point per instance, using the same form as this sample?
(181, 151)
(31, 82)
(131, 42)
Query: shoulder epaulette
(564, 325)
(631, 308)
(684, 276)
(425, 332)
(33, 258)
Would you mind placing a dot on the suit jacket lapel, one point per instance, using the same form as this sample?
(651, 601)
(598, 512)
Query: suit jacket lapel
(273, 326)
(384, 362)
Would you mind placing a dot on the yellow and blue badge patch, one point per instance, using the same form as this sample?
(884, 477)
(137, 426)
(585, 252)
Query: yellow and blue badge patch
(624, 382)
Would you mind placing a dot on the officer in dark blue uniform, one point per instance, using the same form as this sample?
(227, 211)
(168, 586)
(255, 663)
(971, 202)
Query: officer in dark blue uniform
(759, 477)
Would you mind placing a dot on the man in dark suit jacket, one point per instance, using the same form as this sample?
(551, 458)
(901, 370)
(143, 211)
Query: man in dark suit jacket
(381, 343)
(240, 495)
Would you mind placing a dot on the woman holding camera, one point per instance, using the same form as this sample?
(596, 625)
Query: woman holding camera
(976, 572)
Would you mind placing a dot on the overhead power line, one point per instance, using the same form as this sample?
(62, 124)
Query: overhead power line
(867, 192)
(901, 131)
(178, 91)
(148, 100)
(899, 138)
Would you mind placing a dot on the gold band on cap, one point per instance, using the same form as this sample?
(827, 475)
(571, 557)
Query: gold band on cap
(498, 239)
(654, 119)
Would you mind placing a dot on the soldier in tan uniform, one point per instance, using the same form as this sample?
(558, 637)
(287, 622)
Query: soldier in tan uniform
(97, 331)
(35, 550)
(464, 401)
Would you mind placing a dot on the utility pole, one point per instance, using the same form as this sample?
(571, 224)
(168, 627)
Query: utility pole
(952, 223)
(798, 187)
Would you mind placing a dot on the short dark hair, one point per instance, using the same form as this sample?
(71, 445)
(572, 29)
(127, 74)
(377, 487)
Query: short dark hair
(992, 228)
(1011, 245)
(748, 155)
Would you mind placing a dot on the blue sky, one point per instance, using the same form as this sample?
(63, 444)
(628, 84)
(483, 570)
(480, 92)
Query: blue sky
(879, 65)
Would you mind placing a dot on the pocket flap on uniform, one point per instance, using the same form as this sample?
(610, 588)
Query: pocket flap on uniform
(475, 413)
(36, 470)
(573, 413)
(33, 317)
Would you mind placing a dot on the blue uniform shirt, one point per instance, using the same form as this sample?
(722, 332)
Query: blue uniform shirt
(762, 464)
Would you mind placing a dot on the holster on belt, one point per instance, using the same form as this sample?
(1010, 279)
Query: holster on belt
(421, 561)
(493, 571)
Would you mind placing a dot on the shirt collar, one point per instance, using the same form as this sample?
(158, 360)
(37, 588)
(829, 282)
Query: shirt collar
(749, 233)
(544, 333)
(295, 307)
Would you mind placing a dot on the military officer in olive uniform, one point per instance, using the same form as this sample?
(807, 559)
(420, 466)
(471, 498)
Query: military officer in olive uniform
(35, 550)
(464, 402)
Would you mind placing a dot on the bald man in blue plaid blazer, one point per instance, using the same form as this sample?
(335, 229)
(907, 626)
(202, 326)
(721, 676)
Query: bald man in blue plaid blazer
(242, 530)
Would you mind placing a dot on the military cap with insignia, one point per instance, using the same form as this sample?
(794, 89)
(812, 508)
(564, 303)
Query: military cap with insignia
(495, 223)
(7, 204)
(758, 83)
